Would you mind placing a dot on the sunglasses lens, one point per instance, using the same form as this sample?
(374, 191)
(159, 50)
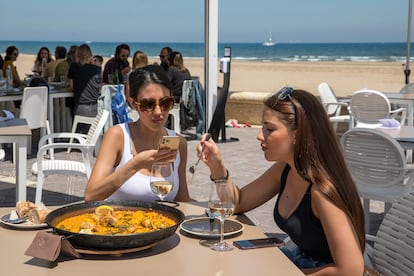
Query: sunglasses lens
(147, 104)
(167, 103)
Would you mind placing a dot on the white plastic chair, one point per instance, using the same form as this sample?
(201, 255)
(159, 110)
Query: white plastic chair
(369, 106)
(34, 110)
(332, 106)
(377, 164)
(105, 99)
(175, 114)
(393, 249)
(85, 143)
(78, 119)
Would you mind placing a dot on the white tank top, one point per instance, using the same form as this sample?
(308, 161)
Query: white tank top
(138, 186)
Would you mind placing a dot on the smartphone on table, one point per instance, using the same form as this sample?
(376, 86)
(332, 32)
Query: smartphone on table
(169, 142)
(258, 243)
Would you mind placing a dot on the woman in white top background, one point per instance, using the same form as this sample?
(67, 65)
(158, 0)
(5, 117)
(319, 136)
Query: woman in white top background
(128, 150)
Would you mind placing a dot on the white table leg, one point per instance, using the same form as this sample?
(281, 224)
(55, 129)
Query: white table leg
(21, 167)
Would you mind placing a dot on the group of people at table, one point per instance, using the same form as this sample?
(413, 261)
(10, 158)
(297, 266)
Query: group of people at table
(318, 205)
(84, 75)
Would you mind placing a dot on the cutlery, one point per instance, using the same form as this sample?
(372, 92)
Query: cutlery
(193, 168)
(15, 221)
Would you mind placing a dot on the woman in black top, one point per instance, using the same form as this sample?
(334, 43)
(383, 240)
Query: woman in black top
(318, 205)
(85, 80)
(177, 73)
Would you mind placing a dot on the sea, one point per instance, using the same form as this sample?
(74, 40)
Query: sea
(280, 52)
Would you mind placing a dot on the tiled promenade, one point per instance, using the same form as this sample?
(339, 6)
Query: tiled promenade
(244, 160)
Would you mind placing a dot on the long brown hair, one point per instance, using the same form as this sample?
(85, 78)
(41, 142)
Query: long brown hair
(318, 156)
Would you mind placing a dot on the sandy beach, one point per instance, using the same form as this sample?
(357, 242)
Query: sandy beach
(254, 76)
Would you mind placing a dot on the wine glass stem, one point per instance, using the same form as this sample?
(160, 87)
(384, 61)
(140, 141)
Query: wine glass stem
(221, 231)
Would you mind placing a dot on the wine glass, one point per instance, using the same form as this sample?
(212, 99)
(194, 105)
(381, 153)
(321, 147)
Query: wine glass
(221, 205)
(161, 179)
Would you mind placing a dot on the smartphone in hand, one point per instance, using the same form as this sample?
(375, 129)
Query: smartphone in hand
(258, 243)
(169, 142)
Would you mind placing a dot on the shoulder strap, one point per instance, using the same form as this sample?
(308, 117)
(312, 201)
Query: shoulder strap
(283, 178)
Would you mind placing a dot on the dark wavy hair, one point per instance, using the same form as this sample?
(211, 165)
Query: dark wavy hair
(120, 47)
(145, 75)
(318, 156)
(9, 52)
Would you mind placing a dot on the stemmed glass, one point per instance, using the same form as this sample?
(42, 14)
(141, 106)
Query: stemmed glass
(221, 205)
(161, 179)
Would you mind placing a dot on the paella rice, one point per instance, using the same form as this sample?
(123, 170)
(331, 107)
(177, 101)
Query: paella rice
(117, 222)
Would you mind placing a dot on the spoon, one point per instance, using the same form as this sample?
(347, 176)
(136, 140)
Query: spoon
(192, 169)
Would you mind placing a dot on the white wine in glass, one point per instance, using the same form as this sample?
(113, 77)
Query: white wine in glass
(162, 179)
(221, 204)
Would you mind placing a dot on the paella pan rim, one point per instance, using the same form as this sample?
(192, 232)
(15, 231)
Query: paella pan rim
(114, 241)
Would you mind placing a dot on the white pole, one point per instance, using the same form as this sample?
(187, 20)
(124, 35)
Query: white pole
(210, 56)
(408, 55)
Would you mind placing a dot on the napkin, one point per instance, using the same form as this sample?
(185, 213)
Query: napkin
(49, 246)
(390, 123)
(8, 116)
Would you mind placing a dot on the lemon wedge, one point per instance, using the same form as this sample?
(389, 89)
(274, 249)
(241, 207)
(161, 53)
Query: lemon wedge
(103, 210)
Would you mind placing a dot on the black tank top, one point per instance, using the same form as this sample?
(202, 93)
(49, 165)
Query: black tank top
(302, 226)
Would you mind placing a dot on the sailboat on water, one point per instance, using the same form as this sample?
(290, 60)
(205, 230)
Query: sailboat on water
(268, 41)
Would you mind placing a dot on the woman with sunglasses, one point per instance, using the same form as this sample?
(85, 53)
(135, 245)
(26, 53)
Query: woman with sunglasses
(318, 205)
(122, 169)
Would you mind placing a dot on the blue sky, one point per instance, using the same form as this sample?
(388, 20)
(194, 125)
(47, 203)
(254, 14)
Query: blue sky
(183, 20)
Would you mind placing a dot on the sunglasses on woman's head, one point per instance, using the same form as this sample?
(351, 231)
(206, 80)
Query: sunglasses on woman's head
(149, 104)
(285, 93)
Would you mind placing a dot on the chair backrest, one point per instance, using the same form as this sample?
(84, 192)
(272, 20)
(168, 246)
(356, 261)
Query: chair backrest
(108, 92)
(34, 106)
(369, 106)
(327, 95)
(187, 86)
(96, 127)
(374, 158)
(394, 244)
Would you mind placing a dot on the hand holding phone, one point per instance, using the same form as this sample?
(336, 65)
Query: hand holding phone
(258, 243)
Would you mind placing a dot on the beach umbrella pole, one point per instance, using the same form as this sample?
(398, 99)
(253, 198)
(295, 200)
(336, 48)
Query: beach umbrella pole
(407, 70)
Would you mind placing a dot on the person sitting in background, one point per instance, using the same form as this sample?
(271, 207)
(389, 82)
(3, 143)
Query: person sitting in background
(85, 80)
(122, 169)
(164, 55)
(177, 73)
(62, 68)
(60, 55)
(118, 66)
(43, 57)
(97, 60)
(139, 60)
(11, 56)
(318, 204)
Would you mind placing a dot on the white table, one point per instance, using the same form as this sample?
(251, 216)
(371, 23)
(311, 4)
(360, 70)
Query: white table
(179, 254)
(53, 94)
(406, 99)
(404, 136)
(16, 131)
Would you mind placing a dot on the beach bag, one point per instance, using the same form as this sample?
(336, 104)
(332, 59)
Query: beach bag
(119, 108)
